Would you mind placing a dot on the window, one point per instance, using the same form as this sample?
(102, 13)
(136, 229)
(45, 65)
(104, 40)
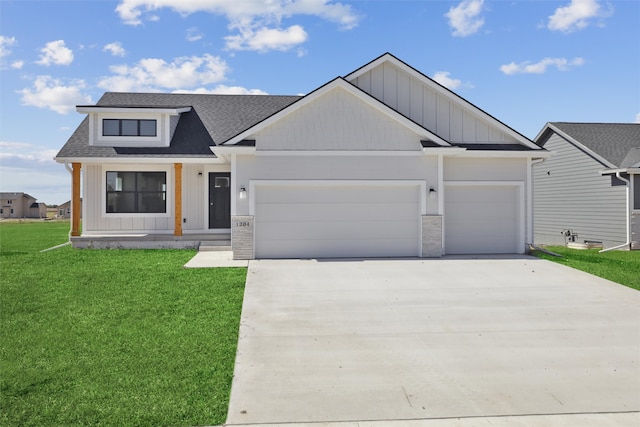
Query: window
(636, 192)
(9, 202)
(128, 127)
(136, 192)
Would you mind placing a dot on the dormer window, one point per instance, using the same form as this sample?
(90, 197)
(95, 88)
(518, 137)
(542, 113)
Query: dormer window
(129, 127)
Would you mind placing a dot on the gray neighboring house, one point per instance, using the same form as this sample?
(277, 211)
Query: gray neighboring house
(590, 185)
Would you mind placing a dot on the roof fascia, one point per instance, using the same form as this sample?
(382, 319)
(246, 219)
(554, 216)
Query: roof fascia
(97, 109)
(619, 170)
(581, 147)
(338, 82)
(387, 57)
(225, 152)
(137, 160)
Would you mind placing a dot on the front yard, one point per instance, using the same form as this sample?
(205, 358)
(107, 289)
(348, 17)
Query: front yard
(124, 337)
(618, 266)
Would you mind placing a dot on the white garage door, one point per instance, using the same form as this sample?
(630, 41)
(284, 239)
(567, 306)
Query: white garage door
(336, 220)
(482, 219)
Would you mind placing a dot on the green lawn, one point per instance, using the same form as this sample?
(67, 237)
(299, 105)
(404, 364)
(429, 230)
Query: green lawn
(112, 337)
(618, 266)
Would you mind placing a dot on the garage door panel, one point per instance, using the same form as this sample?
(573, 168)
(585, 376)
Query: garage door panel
(482, 219)
(336, 220)
(335, 194)
(341, 212)
(361, 230)
(336, 248)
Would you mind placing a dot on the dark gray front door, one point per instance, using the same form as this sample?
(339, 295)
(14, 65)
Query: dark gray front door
(219, 200)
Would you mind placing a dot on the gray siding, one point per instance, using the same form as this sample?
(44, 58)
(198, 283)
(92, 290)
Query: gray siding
(569, 193)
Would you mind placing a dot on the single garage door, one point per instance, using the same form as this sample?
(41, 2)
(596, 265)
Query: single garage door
(482, 219)
(336, 220)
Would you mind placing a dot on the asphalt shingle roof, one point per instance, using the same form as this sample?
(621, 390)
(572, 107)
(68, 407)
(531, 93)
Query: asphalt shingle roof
(619, 143)
(212, 120)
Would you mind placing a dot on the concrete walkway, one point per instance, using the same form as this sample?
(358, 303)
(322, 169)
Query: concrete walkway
(214, 259)
(629, 419)
(425, 342)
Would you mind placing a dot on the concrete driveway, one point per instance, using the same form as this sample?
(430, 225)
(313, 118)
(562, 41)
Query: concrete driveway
(349, 340)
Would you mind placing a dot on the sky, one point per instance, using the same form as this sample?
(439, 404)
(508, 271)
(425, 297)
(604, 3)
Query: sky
(524, 62)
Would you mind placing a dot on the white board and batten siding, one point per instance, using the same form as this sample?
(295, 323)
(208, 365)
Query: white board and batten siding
(429, 107)
(322, 219)
(337, 121)
(570, 194)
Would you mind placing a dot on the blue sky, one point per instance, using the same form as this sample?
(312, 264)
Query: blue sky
(524, 62)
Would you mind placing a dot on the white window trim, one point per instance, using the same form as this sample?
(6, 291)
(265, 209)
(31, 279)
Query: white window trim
(168, 169)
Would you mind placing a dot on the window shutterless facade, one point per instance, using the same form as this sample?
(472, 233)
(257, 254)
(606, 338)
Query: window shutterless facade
(129, 127)
(136, 192)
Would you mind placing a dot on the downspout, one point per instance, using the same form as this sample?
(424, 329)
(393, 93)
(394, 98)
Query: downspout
(628, 189)
(68, 242)
(530, 196)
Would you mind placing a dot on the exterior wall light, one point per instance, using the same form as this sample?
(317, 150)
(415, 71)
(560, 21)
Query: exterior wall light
(243, 193)
(432, 193)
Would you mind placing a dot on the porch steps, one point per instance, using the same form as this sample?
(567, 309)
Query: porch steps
(214, 245)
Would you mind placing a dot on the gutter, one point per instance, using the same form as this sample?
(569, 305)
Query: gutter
(628, 189)
(68, 242)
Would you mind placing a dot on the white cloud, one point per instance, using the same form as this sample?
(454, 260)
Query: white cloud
(637, 120)
(16, 65)
(115, 48)
(55, 52)
(540, 67)
(5, 45)
(576, 15)
(445, 80)
(193, 35)
(154, 75)
(465, 18)
(257, 21)
(51, 93)
(265, 39)
(224, 90)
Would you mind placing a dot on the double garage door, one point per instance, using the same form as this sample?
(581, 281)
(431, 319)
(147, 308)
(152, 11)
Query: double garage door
(381, 219)
(337, 220)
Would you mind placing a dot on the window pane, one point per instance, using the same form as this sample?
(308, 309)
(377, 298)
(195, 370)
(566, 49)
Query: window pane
(636, 192)
(121, 203)
(129, 128)
(151, 203)
(221, 182)
(147, 128)
(110, 127)
(151, 181)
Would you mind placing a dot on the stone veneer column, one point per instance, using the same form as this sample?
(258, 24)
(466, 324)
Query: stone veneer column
(242, 237)
(431, 236)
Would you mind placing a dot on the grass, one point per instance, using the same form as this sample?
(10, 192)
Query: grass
(618, 266)
(122, 337)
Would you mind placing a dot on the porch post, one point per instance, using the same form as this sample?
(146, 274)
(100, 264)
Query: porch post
(178, 199)
(75, 199)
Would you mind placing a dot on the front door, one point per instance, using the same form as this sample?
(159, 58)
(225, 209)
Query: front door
(219, 200)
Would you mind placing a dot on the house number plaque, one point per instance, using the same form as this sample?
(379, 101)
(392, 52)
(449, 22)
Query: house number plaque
(243, 224)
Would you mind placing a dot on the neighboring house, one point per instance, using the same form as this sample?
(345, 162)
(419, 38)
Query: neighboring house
(64, 210)
(21, 205)
(590, 187)
(381, 162)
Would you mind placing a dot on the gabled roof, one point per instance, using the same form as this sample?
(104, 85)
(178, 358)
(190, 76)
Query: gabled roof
(13, 196)
(341, 83)
(212, 119)
(615, 145)
(437, 87)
